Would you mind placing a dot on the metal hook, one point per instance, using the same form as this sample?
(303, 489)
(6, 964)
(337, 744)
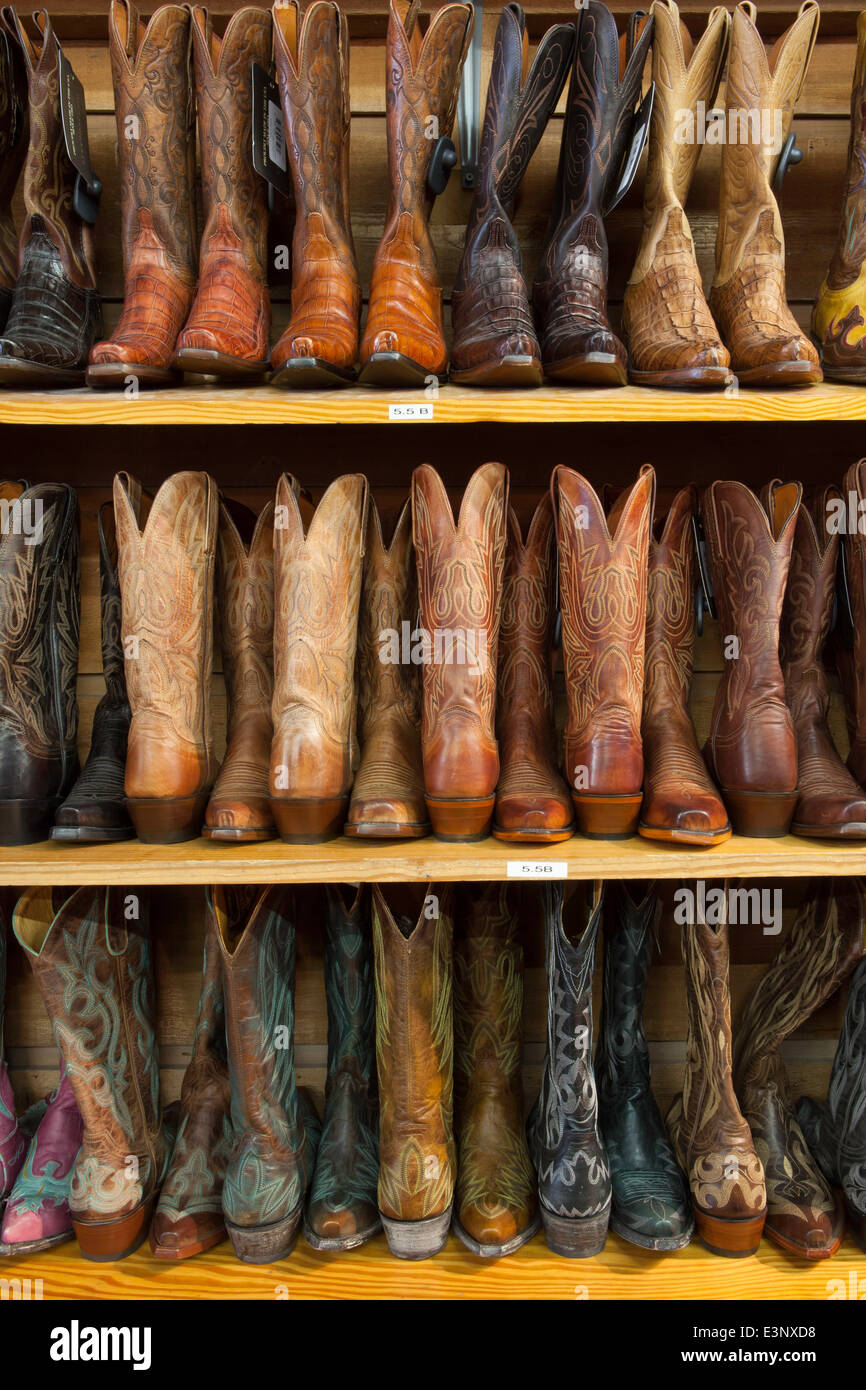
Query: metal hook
(469, 105)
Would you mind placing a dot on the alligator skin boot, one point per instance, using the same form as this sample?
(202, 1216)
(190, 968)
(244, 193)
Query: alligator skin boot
(239, 810)
(39, 618)
(155, 113)
(412, 943)
(712, 1141)
(95, 811)
(650, 1202)
(680, 803)
(320, 344)
(460, 570)
(14, 132)
(670, 334)
(574, 1186)
(747, 299)
(494, 336)
(751, 752)
(13, 1137)
(166, 574)
(388, 794)
(404, 342)
(37, 1215)
(228, 328)
(570, 290)
(603, 592)
(532, 801)
(496, 1199)
(823, 946)
(853, 672)
(56, 314)
(93, 966)
(343, 1212)
(276, 1129)
(317, 594)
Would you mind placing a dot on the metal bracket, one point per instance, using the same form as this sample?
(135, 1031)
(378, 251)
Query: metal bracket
(469, 105)
(791, 154)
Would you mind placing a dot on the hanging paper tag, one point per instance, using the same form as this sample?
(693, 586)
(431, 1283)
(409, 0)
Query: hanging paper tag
(269, 136)
(73, 112)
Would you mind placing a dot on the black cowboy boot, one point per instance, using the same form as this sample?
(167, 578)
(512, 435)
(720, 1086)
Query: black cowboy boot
(14, 128)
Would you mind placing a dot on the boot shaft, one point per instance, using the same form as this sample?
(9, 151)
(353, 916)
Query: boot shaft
(808, 608)
(14, 134)
(110, 609)
(568, 1093)
(854, 687)
(850, 250)
(846, 1096)
(622, 1064)
(245, 607)
(388, 683)
(525, 676)
(350, 986)
(488, 993)
(670, 619)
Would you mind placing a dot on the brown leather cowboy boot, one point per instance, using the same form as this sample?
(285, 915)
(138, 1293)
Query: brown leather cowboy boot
(751, 752)
(14, 131)
(670, 334)
(603, 589)
(747, 299)
(155, 113)
(532, 801)
(320, 344)
(239, 809)
(403, 340)
(229, 324)
(460, 572)
(680, 803)
(388, 793)
(166, 574)
(317, 584)
(852, 669)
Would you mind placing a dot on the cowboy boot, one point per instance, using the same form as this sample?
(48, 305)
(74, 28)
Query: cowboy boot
(14, 131)
(94, 970)
(388, 793)
(532, 801)
(239, 810)
(56, 313)
(320, 344)
(680, 803)
(852, 667)
(751, 752)
(570, 290)
(13, 1138)
(603, 591)
(412, 943)
(95, 811)
(275, 1126)
(317, 589)
(670, 334)
(496, 1208)
(166, 571)
(155, 113)
(37, 1214)
(494, 337)
(711, 1139)
(189, 1215)
(227, 331)
(564, 1138)
(404, 342)
(39, 617)
(342, 1212)
(820, 951)
(747, 299)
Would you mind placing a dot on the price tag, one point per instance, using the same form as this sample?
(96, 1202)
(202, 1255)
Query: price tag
(413, 410)
(73, 114)
(269, 133)
(538, 868)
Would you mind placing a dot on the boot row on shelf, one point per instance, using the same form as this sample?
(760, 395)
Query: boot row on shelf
(201, 306)
(423, 1124)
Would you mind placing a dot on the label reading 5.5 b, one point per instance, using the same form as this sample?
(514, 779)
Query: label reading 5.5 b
(537, 868)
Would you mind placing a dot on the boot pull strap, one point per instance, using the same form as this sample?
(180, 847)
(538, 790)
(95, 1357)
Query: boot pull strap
(132, 488)
(537, 101)
(107, 544)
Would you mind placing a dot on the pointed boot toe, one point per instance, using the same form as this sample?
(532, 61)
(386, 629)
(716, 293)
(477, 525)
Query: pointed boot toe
(343, 1228)
(662, 1221)
(493, 1231)
(813, 1235)
(184, 1236)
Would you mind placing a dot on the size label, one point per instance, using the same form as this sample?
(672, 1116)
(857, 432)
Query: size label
(413, 410)
(537, 868)
(276, 136)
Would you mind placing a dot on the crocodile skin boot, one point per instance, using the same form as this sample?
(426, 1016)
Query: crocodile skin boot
(13, 1138)
(570, 290)
(496, 1200)
(239, 810)
(14, 124)
(650, 1203)
(603, 592)
(824, 944)
(671, 337)
(166, 573)
(494, 336)
(412, 942)
(751, 752)
(574, 1186)
(320, 344)
(56, 313)
(460, 571)
(388, 794)
(532, 801)
(853, 672)
(37, 1214)
(680, 803)
(747, 299)
(227, 332)
(93, 966)
(342, 1212)
(39, 615)
(276, 1129)
(155, 113)
(404, 341)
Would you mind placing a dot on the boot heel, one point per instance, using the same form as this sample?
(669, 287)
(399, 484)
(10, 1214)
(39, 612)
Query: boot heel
(417, 1240)
(760, 815)
(264, 1245)
(105, 1241)
(165, 820)
(607, 817)
(309, 822)
(735, 1239)
(460, 820)
(575, 1237)
(27, 822)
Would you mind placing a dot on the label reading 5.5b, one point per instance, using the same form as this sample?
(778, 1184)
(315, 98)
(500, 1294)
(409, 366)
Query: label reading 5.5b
(537, 868)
